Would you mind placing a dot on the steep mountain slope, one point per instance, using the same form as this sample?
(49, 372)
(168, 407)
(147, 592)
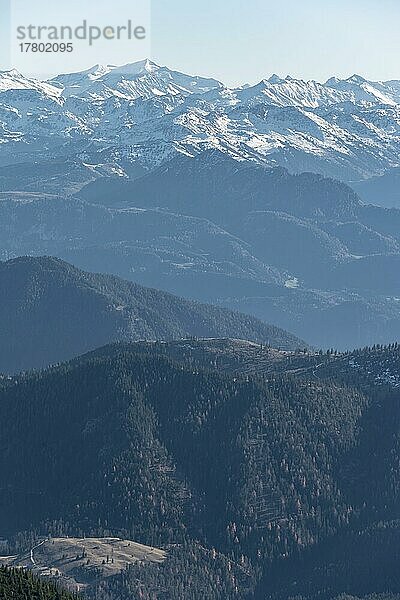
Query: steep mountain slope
(13, 80)
(51, 311)
(292, 92)
(365, 562)
(362, 90)
(263, 473)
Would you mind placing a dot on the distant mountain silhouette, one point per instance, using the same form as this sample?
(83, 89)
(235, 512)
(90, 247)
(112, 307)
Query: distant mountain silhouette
(51, 311)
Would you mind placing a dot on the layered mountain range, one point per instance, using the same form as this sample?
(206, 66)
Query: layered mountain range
(179, 183)
(51, 311)
(300, 251)
(144, 114)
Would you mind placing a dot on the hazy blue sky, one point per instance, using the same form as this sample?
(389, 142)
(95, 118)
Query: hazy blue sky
(237, 40)
(240, 42)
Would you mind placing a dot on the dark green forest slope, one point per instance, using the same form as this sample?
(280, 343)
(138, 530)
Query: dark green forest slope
(17, 584)
(247, 481)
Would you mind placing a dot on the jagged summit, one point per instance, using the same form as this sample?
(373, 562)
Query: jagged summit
(275, 79)
(98, 69)
(11, 73)
(12, 79)
(356, 79)
(137, 68)
(141, 79)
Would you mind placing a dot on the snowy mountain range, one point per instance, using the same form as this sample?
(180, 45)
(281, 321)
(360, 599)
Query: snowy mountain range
(143, 114)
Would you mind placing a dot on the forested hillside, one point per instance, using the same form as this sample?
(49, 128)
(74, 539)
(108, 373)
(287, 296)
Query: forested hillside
(18, 584)
(50, 311)
(241, 478)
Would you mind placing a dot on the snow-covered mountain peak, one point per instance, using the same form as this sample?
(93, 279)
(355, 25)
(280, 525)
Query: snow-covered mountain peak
(332, 81)
(274, 79)
(11, 80)
(99, 71)
(143, 79)
(93, 72)
(291, 92)
(356, 79)
(14, 80)
(10, 73)
(141, 67)
(361, 90)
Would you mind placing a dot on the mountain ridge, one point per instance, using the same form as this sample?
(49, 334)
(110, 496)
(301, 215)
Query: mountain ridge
(300, 251)
(51, 311)
(303, 125)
